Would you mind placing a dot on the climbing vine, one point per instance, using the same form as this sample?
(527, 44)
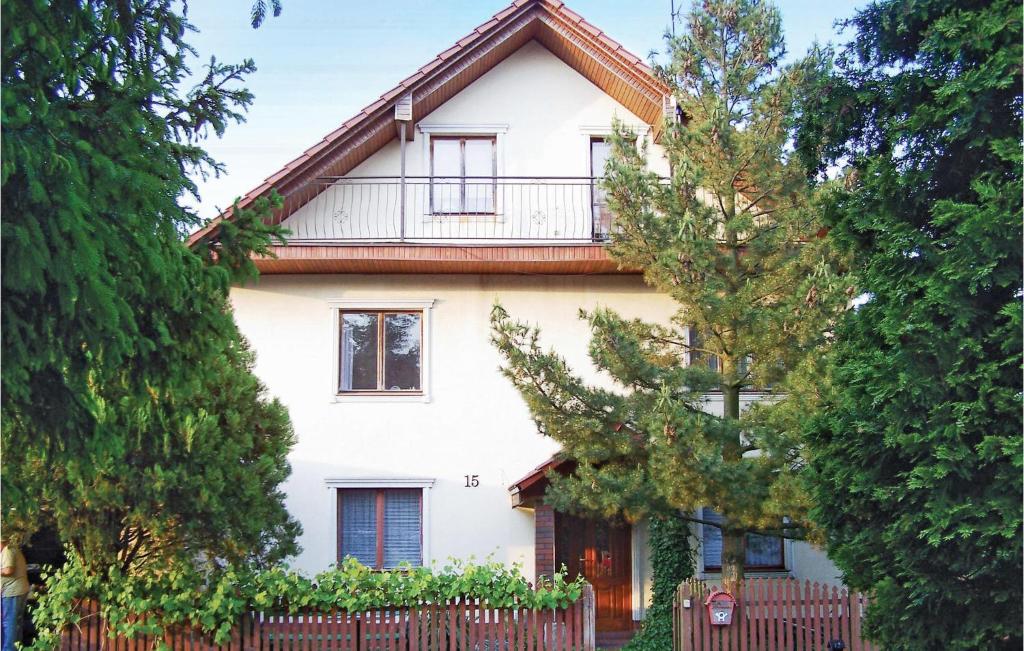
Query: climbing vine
(672, 562)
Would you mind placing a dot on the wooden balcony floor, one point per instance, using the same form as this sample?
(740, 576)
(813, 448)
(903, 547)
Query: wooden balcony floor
(562, 258)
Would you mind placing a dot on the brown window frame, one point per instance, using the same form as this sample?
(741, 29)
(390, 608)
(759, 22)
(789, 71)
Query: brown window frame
(594, 190)
(380, 354)
(462, 175)
(379, 505)
(781, 566)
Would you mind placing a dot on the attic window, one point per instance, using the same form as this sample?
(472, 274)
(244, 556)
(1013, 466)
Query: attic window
(463, 171)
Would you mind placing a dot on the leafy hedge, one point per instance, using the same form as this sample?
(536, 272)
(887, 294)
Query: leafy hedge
(213, 600)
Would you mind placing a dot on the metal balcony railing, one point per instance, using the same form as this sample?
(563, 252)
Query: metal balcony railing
(471, 208)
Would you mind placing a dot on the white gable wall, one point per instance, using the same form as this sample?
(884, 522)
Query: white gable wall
(542, 112)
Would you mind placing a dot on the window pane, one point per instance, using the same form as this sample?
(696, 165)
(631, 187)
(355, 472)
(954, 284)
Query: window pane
(446, 170)
(600, 152)
(479, 162)
(402, 352)
(447, 157)
(712, 539)
(402, 527)
(358, 352)
(359, 525)
(699, 357)
(479, 157)
(762, 551)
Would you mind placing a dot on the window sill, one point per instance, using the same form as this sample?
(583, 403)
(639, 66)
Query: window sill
(382, 397)
(714, 575)
(717, 395)
(465, 217)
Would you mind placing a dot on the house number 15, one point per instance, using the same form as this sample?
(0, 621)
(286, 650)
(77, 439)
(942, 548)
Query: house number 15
(472, 481)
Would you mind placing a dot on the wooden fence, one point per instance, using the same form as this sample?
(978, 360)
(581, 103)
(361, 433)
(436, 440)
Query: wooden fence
(460, 625)
(771, 615)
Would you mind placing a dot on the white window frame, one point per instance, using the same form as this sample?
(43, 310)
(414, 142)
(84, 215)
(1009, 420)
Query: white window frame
(590, 131)
(498, 131)
(424, 483)
(422, 305)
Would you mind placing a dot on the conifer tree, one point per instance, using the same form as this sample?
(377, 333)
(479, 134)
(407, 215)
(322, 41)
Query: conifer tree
(733, 239)
(916, 464)
(120, 349)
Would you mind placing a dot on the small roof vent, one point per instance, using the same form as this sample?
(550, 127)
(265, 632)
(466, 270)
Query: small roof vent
(403, 108)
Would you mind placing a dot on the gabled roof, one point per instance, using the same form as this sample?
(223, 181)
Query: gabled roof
(579, 44)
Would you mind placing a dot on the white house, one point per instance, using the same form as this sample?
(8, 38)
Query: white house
(469, 182)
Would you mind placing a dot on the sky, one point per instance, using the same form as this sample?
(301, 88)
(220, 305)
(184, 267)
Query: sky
(322, 61)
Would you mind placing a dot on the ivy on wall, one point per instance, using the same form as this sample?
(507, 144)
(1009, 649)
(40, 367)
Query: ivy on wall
(672, 561)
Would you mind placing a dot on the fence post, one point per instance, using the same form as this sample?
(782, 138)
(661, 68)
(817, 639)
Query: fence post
(588, 618)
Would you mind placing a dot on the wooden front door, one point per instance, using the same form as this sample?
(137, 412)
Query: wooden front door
(601, 552)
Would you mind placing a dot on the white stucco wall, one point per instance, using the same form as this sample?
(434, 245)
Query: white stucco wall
(543, 114)
(809, 562)
(474, 424)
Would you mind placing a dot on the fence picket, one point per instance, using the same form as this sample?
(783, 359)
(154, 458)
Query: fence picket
(683, 617)
(743, 614)
(517, 630)
(464, 616)
(563, 629)
(856, 643)
(817, 612)
(834, 630)
(788, 630)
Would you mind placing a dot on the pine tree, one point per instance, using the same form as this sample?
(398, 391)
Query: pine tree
(119, 343)
(732, 238)
(916, 463)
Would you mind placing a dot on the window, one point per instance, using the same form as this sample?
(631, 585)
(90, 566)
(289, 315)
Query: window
(600, 152)
(763, 552)
(463, 171)
(699, 357)
(381, 527)
(380, 351)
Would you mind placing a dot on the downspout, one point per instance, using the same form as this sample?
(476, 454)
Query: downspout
(403, 115)
(401, 183)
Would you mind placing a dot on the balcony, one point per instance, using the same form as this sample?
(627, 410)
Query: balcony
(482, 210)
(479, 225)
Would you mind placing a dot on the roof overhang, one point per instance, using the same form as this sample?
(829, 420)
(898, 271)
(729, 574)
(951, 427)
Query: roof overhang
(579, 44)
(529, 491)
(402, 258)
